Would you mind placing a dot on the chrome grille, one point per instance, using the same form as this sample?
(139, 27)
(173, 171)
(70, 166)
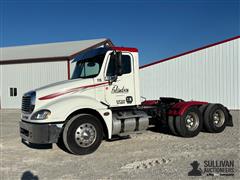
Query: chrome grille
(26, 104)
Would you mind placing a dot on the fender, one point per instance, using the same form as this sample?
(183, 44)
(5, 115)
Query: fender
(179, 108)
(63, 107)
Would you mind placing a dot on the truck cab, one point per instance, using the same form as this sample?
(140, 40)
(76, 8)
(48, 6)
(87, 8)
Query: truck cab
(102, 99)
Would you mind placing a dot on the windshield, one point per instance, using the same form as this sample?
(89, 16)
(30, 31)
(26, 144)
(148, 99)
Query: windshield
(88, 68)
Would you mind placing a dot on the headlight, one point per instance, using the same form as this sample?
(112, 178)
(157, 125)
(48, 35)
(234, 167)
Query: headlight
(40, 115)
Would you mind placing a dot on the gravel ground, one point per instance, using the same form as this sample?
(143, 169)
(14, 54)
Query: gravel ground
(151, 155)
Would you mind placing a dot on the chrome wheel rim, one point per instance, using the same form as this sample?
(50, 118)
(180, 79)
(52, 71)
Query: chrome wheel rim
(192, 121)
(218, 118)
(85, 135)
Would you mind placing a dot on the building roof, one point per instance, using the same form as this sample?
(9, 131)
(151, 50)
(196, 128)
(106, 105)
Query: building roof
(188, 52)
(58, 51)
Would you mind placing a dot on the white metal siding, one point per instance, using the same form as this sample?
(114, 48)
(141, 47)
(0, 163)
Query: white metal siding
(210, 74)
(72, 67)
(28, 76)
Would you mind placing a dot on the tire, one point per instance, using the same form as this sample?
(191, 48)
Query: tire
(82, 134)
(190, 123)
(171, 125)
(202, 110)
(61, 144)
(215, 118)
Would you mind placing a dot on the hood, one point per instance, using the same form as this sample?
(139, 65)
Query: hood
(58, 89)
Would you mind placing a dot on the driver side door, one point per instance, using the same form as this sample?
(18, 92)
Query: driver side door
(120, 92)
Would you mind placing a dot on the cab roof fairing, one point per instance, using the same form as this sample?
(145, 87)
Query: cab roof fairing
(102, 50)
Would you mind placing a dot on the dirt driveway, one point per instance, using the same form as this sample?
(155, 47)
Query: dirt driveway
(150, 155)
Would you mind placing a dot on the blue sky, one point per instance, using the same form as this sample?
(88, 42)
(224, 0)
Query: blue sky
(159, 29)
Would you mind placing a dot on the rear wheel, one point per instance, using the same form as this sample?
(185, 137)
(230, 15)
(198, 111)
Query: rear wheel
(190, 123)
(82, 134)
(215, 118)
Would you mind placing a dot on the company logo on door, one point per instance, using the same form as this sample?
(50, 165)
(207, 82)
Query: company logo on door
(116, 89)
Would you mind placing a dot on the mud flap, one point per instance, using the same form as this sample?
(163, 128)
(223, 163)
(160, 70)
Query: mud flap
(230, 121)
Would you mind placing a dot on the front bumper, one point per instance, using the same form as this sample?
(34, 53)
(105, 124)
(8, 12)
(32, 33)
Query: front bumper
(40, 133)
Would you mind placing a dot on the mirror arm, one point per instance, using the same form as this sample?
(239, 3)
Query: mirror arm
(111, 79)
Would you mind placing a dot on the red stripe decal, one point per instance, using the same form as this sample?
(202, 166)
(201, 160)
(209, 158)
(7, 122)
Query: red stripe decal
(51, 96)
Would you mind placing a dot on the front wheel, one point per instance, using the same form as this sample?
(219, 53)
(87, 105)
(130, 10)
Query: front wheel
(82, 134)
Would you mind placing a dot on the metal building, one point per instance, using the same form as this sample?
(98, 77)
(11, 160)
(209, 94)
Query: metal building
(210, 73)
(23, 68)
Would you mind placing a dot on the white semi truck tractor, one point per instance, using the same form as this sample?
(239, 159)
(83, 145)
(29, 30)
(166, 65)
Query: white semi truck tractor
(102, 100)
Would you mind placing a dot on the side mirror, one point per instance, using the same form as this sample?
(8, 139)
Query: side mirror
(111, 79)
(118, 64)
(116, 67)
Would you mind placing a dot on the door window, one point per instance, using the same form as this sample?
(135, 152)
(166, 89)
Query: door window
(126, 65)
